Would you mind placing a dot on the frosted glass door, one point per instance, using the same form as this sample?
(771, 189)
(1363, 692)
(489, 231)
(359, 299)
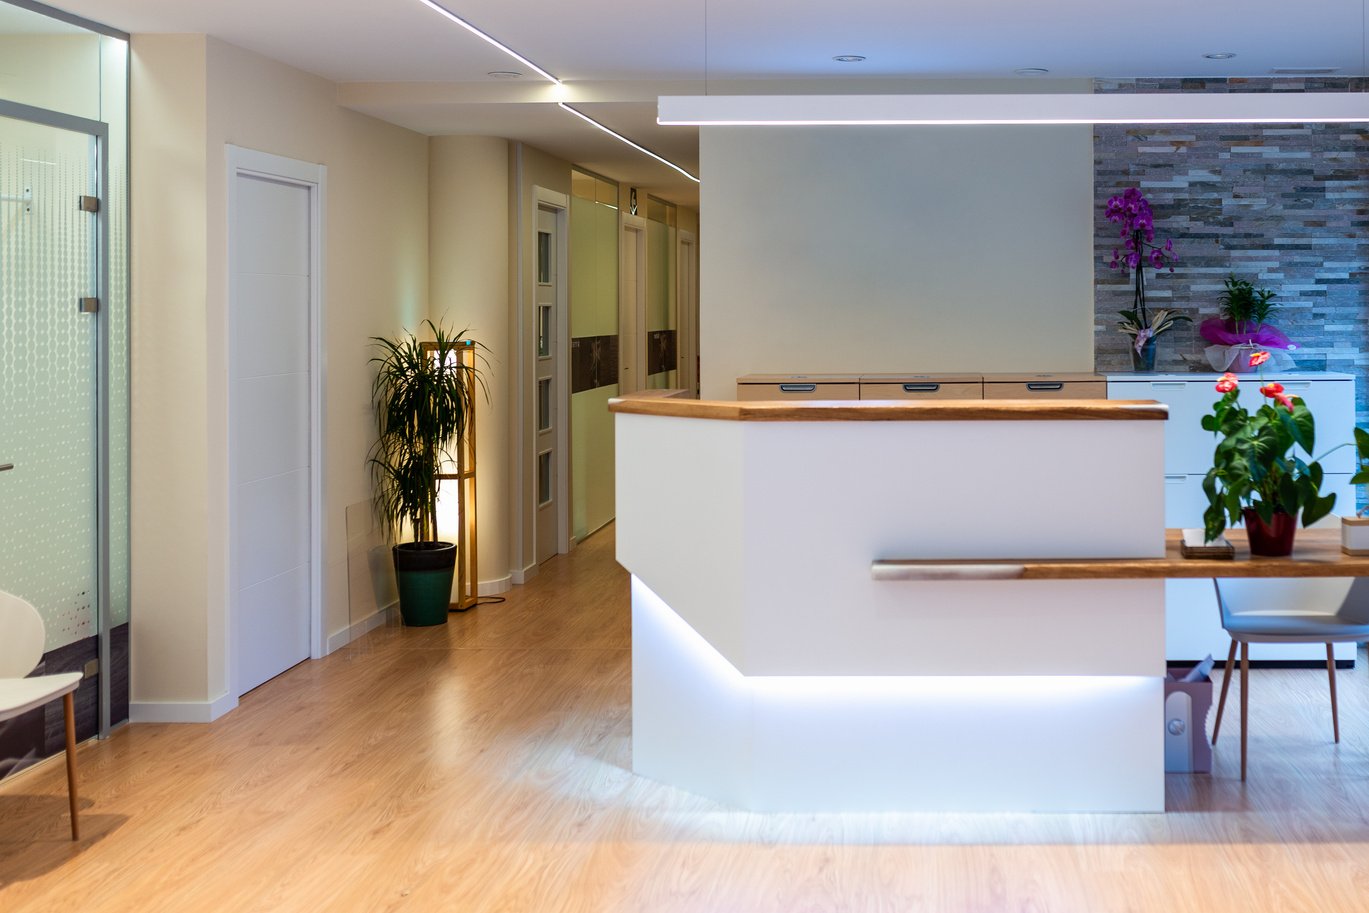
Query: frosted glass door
(49, 262)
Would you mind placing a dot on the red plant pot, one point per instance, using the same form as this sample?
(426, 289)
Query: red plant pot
(1273, 539)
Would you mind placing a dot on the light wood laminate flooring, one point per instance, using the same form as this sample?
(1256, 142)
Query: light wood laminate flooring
(486, 766)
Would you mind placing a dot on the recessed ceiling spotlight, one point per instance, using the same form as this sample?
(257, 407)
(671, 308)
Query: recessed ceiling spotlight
(504, 74)
(848, 58)
(1031, 71)
(1220, 55)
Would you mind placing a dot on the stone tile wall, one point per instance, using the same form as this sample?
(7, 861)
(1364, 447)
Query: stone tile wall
(1283, 205)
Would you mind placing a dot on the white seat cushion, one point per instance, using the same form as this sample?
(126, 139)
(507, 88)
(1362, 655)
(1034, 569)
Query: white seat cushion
(20, 695)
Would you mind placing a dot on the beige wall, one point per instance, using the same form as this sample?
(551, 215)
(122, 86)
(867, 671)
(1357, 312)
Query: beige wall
(191, 96)
(169, 427)
(468, 179)
(895, 249)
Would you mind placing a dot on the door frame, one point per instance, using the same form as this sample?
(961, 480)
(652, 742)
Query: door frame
(98, 131)
(687, 304)
(313, 177)
(558, 204)
(632, 304)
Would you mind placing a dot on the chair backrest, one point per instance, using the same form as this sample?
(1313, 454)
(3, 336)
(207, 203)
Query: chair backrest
(21, 636)
(1282, 596)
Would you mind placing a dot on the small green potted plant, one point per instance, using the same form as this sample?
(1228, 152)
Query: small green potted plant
(1257, 475)
(1245, 306)
(1242, 327)
(423, 397)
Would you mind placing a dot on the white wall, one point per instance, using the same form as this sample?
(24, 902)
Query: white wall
(866, 249)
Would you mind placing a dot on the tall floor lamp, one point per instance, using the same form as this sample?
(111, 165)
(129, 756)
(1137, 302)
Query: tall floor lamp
(467, 579)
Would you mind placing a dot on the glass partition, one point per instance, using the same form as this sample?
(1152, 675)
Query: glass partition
(64, 360)
(662, 306)
(594, 348)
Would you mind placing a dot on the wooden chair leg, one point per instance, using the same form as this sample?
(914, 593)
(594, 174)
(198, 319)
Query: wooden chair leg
(69, 708)
(1226, 683)
(1245, 702)
(1331, 674)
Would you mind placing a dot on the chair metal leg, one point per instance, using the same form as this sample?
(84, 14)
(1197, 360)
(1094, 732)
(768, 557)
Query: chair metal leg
(1331, 674)
(1226, 683)
(1245, 702)
(69, 708)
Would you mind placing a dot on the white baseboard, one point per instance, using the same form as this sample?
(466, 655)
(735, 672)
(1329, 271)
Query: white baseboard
(526, 574)
(495, 587)
(181, 711)
(376, 619)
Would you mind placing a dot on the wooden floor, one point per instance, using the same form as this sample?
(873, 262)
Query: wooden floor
(485, 766)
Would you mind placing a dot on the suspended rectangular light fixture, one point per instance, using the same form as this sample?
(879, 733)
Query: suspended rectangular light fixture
(835, 110)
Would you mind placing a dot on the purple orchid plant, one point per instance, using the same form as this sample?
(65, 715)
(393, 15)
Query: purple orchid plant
(1131, 210)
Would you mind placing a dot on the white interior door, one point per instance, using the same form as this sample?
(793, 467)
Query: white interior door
(548, 400)
(271, 424)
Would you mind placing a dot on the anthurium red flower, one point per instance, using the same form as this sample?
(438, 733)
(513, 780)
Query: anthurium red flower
(1272, 389)
(1227, 383)
(1284, 400)
(1259, 358)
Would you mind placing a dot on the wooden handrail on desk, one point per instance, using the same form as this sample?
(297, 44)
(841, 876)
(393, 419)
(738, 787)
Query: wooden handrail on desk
(1316, 553)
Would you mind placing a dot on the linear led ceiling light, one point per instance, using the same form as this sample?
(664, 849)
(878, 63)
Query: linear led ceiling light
(492, 40)
(623, 139)
(823, 110)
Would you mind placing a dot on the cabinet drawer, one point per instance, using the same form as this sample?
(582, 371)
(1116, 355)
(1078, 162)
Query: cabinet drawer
(925, 389)
(1188, 448)
(1035, 389)
(1185, 501)
(797, 390)
(1333, 406)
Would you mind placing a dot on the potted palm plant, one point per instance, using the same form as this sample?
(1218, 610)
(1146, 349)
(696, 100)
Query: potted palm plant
(423, 397)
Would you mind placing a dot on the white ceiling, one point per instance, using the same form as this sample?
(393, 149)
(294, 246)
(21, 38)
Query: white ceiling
(400, 61)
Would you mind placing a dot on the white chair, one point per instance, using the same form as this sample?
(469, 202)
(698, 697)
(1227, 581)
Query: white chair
(1286, 611)
(21, 647)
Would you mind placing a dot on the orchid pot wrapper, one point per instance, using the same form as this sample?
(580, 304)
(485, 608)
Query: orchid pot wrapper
(1256, 464)
(1132, 212)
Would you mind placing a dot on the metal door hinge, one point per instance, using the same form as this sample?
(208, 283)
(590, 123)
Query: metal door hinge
(88, 204)
(88, 305)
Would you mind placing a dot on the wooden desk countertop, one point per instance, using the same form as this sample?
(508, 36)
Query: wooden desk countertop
(1316, 553)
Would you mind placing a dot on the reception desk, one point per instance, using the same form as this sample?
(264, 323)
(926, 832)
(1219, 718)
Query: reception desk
(773, 670)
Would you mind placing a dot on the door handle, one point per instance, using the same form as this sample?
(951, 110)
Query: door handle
(5, 467)
(798, 388)
(1055, 386)
(921, 388)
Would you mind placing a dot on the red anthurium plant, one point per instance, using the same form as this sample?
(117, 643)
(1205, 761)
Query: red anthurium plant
(1256, 464)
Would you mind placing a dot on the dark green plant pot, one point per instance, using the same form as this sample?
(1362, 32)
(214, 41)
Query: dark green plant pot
(423, 571)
